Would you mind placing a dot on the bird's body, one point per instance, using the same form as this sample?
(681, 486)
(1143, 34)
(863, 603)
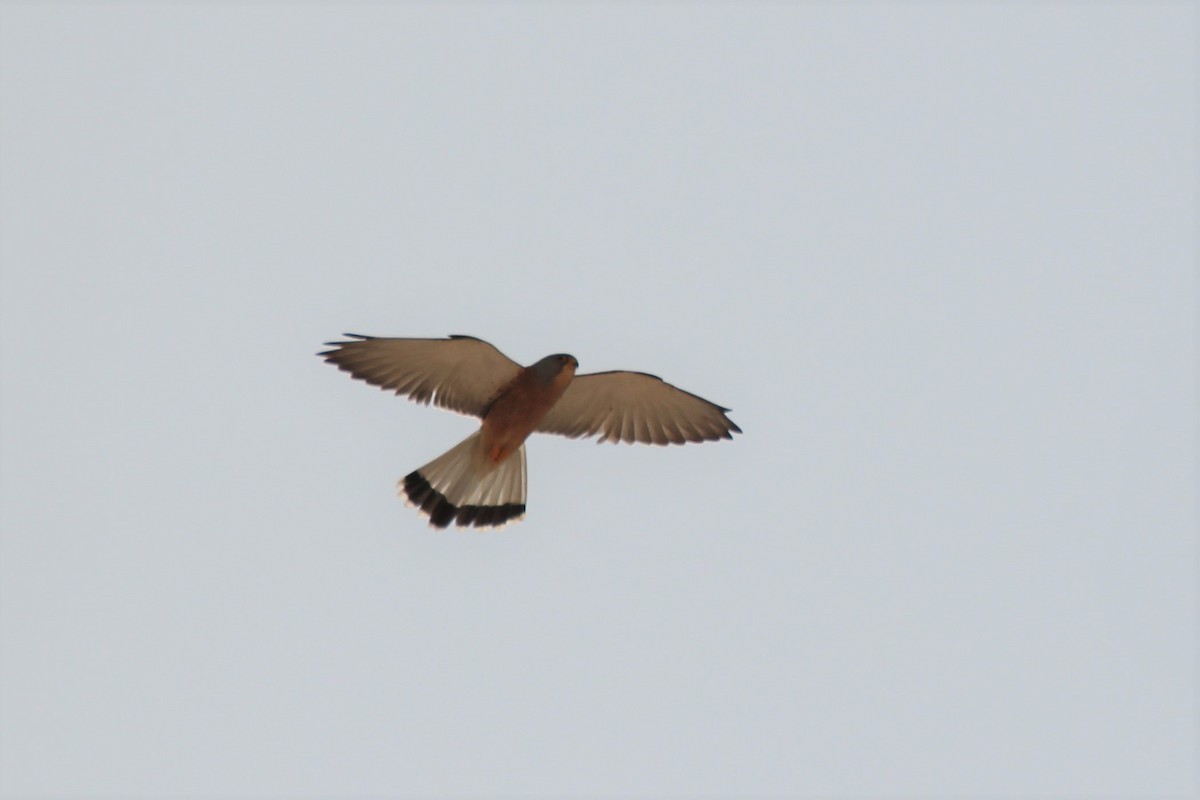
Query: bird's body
(482, 480)
(522, 404)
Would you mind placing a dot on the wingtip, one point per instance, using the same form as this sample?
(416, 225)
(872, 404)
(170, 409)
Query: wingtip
(353, 336)
(337, 346)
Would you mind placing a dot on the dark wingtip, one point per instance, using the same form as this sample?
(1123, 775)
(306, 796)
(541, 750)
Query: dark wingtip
(355, 336)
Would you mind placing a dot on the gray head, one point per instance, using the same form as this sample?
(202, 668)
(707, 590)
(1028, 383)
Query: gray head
(549, 367)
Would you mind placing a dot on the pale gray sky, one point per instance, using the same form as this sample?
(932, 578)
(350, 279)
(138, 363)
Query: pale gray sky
(938, 258)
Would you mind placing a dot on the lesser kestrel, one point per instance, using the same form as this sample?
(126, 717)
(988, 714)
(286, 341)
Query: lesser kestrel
(481, 481)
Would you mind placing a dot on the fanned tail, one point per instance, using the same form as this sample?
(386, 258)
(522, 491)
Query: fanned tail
(462, 486)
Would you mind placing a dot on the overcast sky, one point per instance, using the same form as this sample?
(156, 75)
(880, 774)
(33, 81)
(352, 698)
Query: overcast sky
(939, 259)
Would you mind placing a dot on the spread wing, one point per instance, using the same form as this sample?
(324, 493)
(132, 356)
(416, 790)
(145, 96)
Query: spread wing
(461, 373)
(635, 407)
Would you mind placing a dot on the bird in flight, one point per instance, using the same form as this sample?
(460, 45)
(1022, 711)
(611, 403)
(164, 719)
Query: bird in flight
(481, 481)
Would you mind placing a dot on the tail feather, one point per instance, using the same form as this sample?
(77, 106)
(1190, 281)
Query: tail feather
(462, 486)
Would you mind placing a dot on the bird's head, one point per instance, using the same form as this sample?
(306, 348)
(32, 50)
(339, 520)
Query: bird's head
(551, 367)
